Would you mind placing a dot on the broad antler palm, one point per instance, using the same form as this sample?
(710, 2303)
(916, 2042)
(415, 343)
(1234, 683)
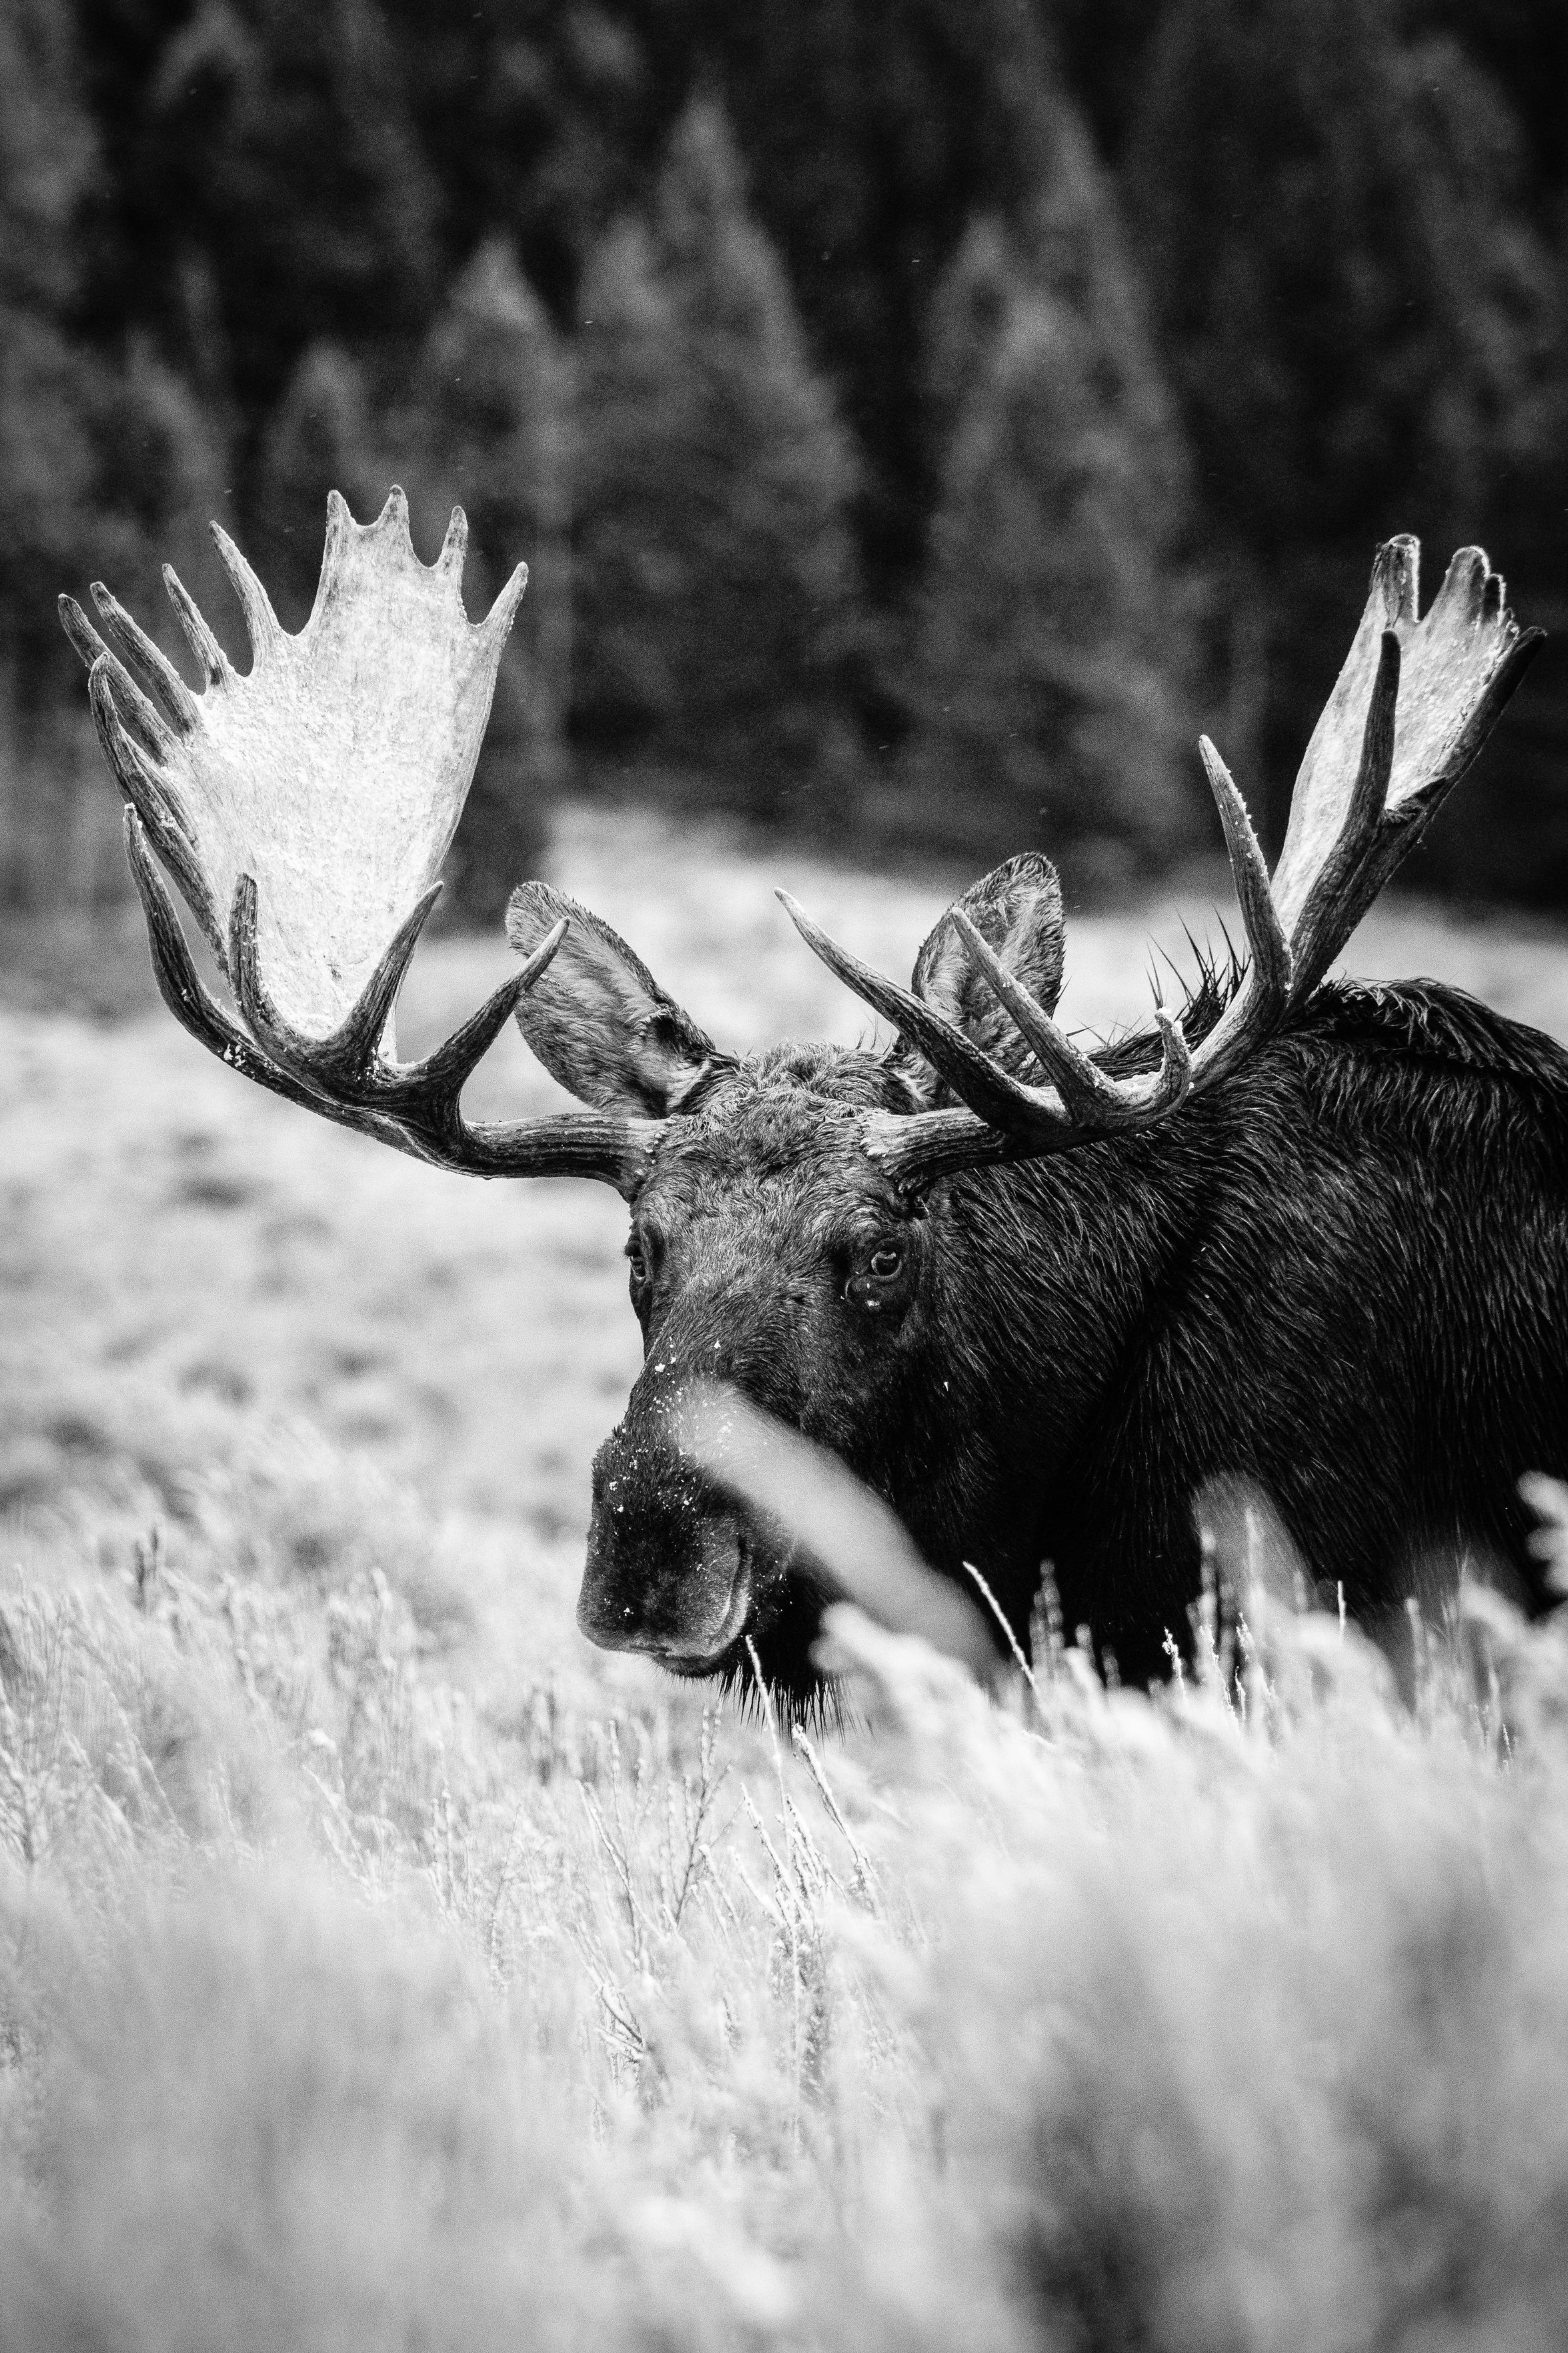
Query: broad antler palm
(303, 810)
(1413, 706)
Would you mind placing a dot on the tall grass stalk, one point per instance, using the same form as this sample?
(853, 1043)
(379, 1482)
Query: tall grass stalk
(331, 2012)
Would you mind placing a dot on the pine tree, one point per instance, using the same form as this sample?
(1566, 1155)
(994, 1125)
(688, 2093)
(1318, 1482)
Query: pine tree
(48, 161)
(716, 585)
(875, 132)
(1053, 650)
(1355, 309)
(277, 153)
(487, 426)
(322, 439)
(540, 122)
(47, 452)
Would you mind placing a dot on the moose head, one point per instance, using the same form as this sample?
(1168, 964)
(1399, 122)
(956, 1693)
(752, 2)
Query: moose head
(927, 1258)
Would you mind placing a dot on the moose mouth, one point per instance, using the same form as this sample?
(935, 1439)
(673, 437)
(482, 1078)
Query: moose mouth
(683, 1657)
(687, 1609)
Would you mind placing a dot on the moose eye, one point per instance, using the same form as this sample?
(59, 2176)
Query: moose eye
(876, 1286)
(636, 1263)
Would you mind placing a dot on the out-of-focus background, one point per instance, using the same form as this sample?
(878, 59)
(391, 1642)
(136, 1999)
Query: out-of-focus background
(920, 417)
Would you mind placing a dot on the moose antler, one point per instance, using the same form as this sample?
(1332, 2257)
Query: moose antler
(1353, 820)
(1383, 758)
(302, 810)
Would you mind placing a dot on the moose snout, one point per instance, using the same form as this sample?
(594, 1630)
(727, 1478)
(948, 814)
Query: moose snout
(667, 1569)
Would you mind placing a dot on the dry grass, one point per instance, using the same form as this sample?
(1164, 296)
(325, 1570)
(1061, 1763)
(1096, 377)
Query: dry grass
(380, 1966)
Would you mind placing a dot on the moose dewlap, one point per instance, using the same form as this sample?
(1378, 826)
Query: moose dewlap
(1301, 1231)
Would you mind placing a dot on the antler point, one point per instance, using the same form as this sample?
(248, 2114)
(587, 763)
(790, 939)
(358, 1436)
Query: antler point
(498, 621)
(454, 546)
(394, 516)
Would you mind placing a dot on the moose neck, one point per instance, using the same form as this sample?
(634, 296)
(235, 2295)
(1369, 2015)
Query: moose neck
(1054, 1278)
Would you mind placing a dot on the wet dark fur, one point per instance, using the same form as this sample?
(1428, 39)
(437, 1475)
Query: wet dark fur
(1343, 1274)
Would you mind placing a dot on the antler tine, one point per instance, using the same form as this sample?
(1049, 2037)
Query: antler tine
(86, 643)
(1095, 1102)
(1039, 1119)
(90, 649)
(198, 1013)
(1269, 951)
(1323, 926)
(347, 1058)
(154, 798)
(216, 670)
(448, 1070)
(414, 1108)
(134, 646)
(347, 1067)
(144, 724)
(354, 1046)
(1260, 1002)
(973, 1076)
(262, 626)
(454, 546)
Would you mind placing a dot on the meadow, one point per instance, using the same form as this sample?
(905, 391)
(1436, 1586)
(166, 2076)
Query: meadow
(380, 1966)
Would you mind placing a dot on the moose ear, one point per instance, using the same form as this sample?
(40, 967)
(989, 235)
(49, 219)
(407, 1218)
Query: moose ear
(1017, 909)
(597, 1018)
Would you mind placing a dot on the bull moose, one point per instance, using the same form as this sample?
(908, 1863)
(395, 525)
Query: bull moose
(1301, 1229)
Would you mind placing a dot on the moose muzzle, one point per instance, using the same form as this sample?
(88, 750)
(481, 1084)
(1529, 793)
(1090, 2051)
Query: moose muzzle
(668, 1568)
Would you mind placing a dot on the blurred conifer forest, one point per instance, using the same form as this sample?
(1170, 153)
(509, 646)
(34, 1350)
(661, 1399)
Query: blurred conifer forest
(920, 417)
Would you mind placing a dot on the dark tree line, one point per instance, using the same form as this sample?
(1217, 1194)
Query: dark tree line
(919, 416)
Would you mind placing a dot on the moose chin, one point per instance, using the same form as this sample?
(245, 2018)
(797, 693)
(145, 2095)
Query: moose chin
(1300, 1230)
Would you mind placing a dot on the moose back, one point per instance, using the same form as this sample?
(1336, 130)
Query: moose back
(1308, 1232)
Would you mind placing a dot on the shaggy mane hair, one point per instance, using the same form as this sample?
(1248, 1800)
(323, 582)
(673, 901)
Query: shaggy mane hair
(1423, 1021)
